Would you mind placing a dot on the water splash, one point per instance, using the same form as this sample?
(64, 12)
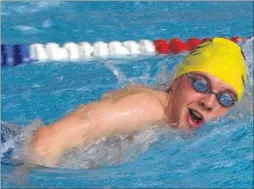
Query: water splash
(111, 151)
(103, 152)
(247, 48)
(247, 102)
(121, 78)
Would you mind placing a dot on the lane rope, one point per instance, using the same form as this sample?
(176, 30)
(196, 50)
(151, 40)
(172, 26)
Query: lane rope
(12, 55)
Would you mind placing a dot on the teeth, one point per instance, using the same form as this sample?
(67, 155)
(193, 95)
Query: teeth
(196, 114)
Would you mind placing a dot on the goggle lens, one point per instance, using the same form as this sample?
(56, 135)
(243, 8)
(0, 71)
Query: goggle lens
(200, 86)
(226, 99)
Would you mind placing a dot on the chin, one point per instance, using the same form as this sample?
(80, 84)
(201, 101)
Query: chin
(173, 125)
(181, 123)
(183, 126)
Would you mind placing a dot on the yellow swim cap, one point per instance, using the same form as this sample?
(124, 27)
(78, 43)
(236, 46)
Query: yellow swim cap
(221, 58)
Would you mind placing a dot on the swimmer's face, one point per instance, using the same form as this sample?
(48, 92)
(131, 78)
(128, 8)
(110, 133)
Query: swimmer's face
(192, 109)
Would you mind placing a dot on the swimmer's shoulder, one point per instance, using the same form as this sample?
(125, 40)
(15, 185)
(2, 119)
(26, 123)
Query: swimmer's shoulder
(137, 90)
(128, 90)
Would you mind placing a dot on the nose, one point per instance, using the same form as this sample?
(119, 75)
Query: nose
(208, 102)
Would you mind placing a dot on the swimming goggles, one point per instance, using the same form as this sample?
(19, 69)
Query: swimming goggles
(225, 99)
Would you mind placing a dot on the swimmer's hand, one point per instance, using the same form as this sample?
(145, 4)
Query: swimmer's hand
(110, 116)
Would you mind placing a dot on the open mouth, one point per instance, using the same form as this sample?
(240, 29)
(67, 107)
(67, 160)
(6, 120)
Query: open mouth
(195, 118)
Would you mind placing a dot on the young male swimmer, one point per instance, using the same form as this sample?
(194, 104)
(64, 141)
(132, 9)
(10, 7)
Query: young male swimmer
(207, 84)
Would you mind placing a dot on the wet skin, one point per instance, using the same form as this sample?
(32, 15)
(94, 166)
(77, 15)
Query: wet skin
(185, 98)
(124, 111)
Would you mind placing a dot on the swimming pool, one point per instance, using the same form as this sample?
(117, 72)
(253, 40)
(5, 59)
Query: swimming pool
(218, 155)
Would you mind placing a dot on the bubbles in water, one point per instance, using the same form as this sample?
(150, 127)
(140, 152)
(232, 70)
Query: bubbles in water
(247, 102)
(18, 139)
(111, 151)
(247, 48)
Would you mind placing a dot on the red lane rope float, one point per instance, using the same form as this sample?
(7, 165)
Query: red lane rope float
(237, 39)
(192, 43)
(177, 46)
(162, 46)
(206, 39)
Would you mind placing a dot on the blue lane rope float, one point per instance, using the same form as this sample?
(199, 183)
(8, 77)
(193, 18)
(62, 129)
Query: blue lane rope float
(12, 55)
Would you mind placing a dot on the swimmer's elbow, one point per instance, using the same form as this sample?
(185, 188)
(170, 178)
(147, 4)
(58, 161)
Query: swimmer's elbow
(42, 151)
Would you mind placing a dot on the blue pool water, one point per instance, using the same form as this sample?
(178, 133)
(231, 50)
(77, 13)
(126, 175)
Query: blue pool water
(219, 155)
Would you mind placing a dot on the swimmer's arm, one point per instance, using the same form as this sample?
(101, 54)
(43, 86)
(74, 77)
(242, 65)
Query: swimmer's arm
(90, 122)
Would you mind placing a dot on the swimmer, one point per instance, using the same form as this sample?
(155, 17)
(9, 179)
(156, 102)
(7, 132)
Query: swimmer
(207, 85)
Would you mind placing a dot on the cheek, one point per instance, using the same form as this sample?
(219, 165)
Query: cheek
(185, 94)
(219, 113)
(223, 111)
(182, 96)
